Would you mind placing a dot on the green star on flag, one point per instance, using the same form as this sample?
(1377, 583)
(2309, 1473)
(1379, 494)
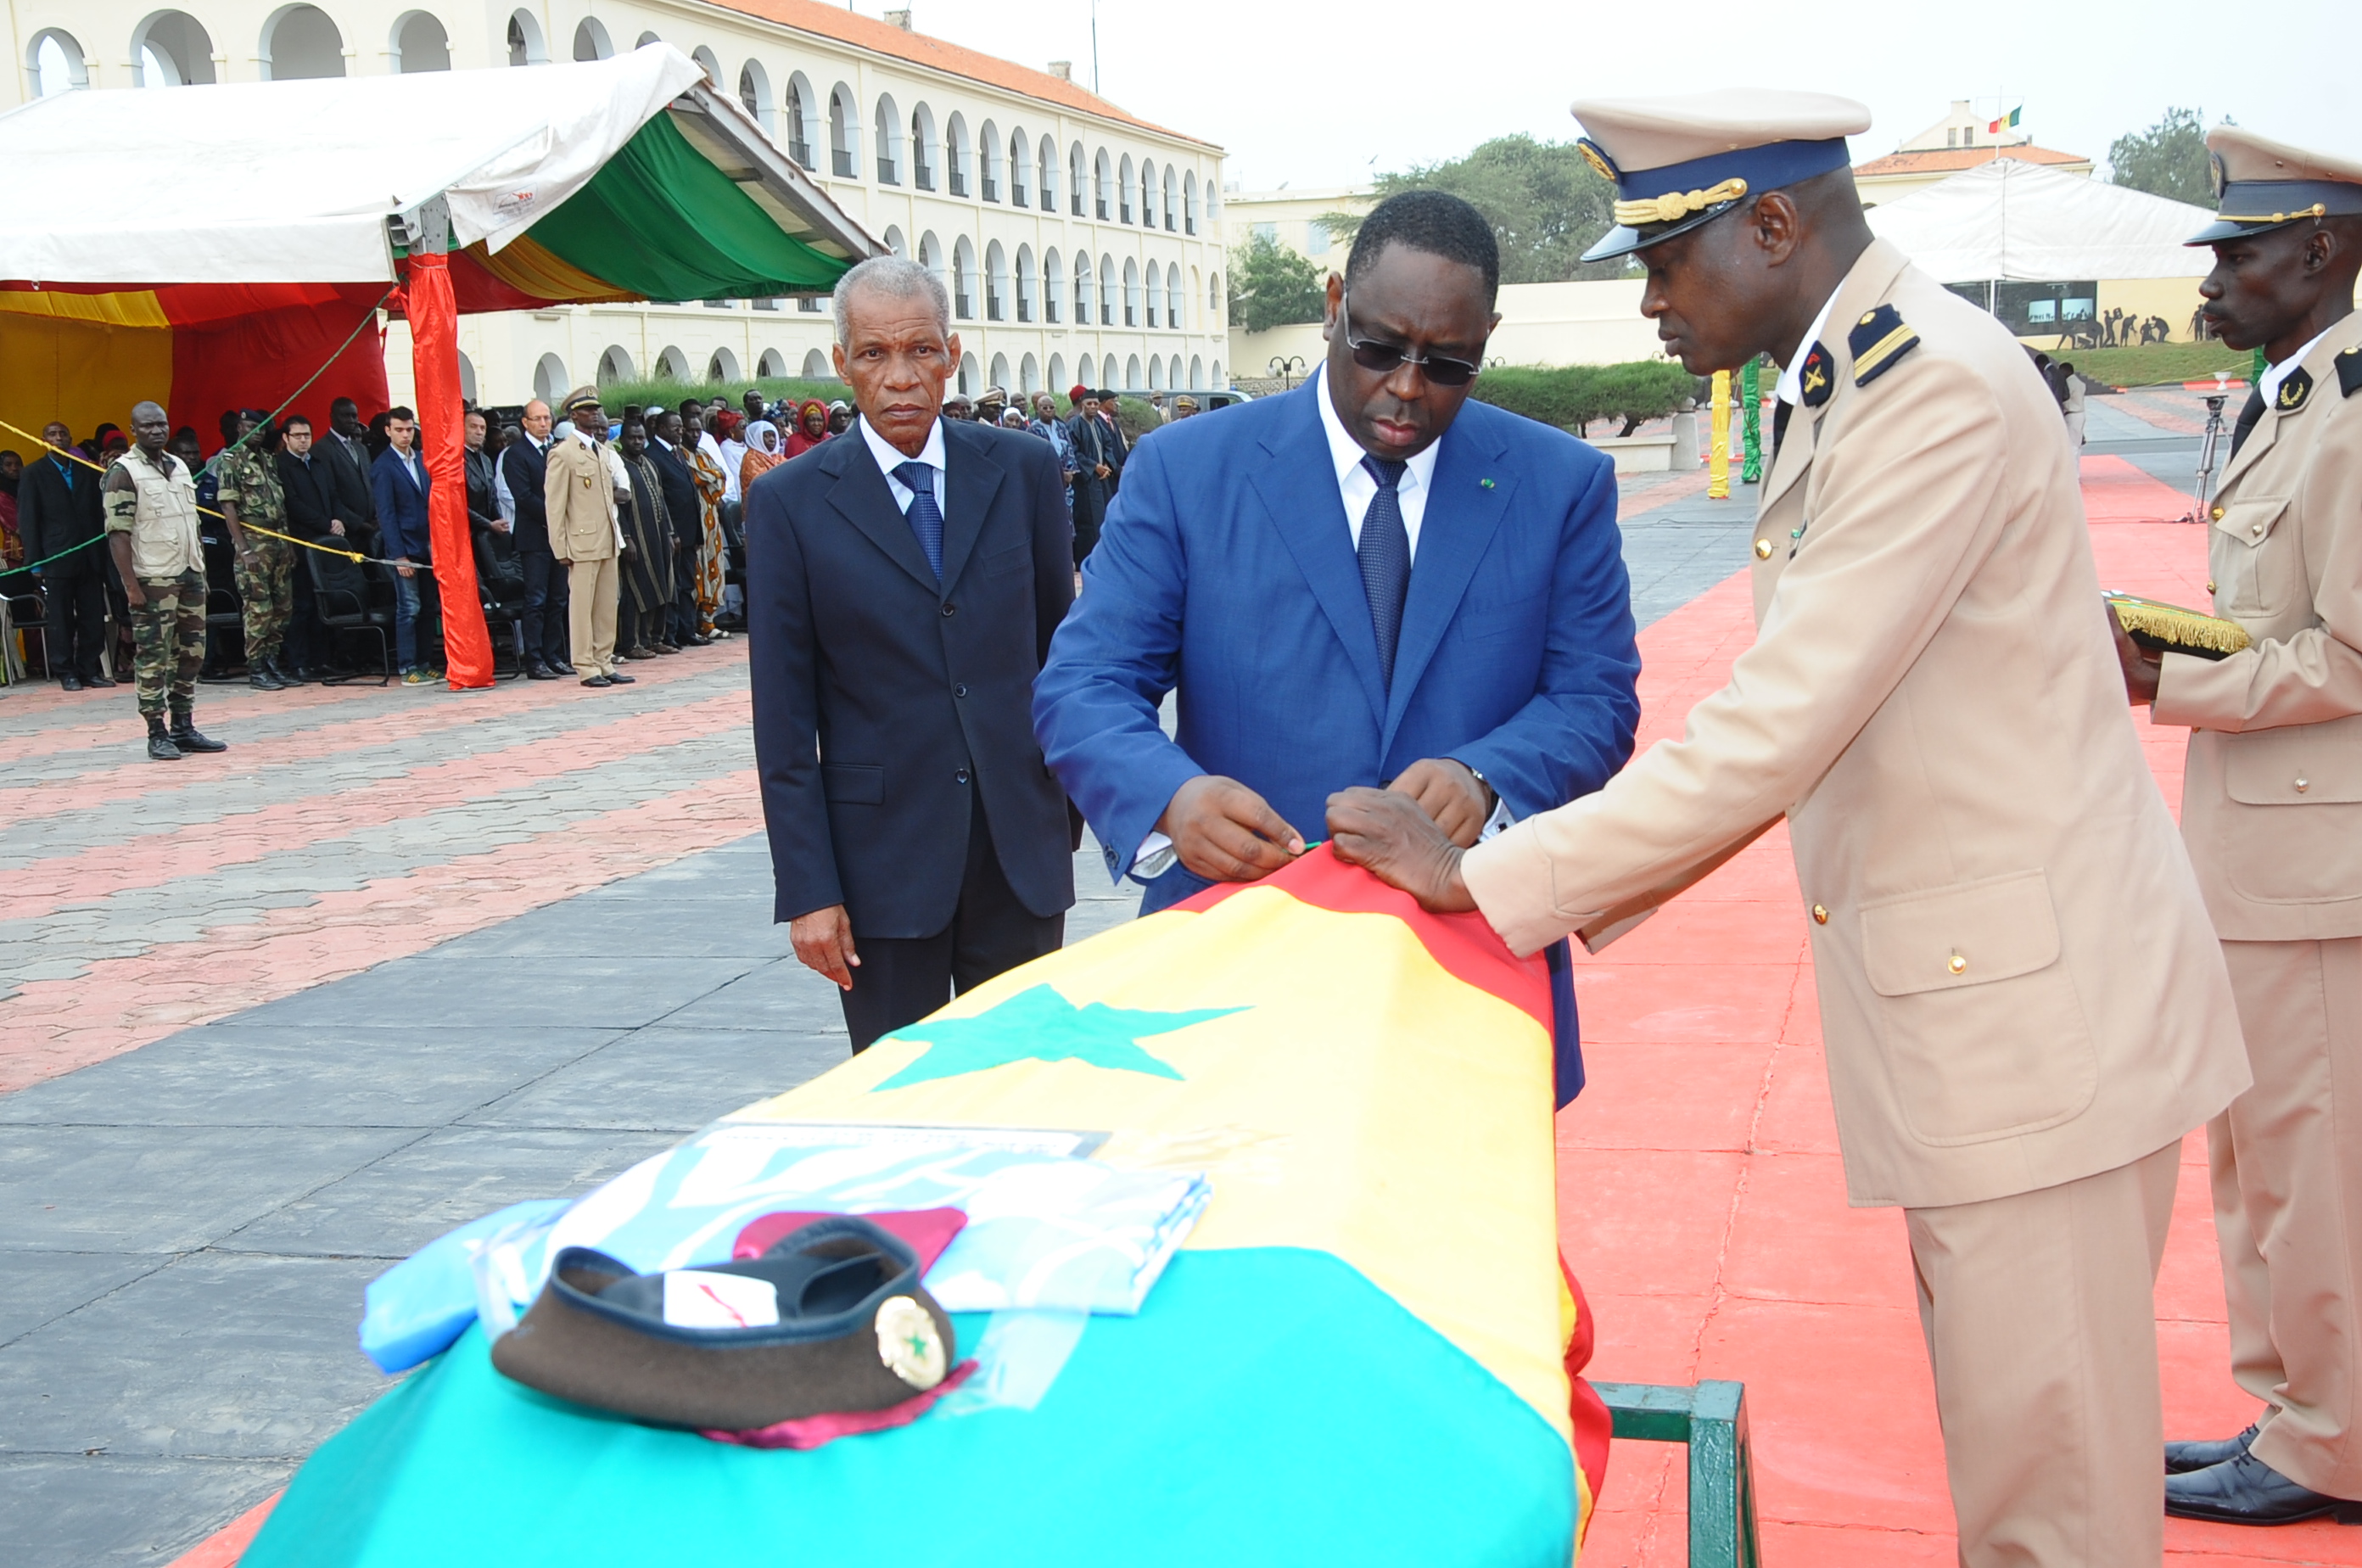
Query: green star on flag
(1039, 1025)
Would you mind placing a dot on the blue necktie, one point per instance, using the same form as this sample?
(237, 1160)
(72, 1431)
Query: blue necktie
(926, 518)
(1384, 551)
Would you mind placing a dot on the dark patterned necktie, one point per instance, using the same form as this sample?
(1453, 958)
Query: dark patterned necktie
(1384, 552)
(1780, 409)
(925, 517)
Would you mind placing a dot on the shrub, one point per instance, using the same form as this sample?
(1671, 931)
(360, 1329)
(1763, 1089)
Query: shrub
(1572, 396)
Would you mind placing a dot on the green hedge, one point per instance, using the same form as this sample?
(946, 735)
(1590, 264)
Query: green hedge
(1572, 396)
(668, 393)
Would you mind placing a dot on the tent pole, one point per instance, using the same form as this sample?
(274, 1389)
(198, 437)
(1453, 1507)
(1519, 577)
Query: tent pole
(433, 314)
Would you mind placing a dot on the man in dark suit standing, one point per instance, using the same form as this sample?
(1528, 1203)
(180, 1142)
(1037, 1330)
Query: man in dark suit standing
(525, 469)
(687, 513)
(58, 509)
(1093, 471)
(399, 484)
(310, 488)
(345, 447)
(903, 586)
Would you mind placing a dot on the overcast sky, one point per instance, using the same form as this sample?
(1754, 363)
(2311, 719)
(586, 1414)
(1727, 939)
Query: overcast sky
(1322, 95)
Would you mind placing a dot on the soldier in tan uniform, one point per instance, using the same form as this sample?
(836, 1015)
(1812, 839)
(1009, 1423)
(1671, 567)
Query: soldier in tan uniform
(579, 490)
(2271, 808)
(2024, 1005)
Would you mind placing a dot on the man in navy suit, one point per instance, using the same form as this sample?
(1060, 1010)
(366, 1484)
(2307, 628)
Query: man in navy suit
(902, 585)
(1370, 580)
(399, 483)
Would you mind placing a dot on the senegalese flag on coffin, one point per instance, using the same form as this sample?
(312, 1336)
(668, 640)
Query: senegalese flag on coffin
(660, 220)
(1360, 1356)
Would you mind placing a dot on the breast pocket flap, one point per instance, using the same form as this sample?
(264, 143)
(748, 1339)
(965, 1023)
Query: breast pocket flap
(1969, 934)
(2306, 765)
(2250, 522)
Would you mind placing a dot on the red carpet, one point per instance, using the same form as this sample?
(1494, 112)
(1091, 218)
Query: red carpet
(1704, 1208)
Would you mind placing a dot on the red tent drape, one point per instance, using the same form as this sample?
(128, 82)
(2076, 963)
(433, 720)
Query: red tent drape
(435, 367)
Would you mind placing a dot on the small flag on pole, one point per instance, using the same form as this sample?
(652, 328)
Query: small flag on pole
(2007, 122)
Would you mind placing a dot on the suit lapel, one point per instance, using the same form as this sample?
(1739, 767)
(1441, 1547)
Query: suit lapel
(1871, 279)
(861, 497)
(1462, 516)
(971, 478)
(1297, 484)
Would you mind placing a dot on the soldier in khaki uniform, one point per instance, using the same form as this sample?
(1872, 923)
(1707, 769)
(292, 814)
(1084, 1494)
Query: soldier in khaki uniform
(250, 491)
(579, 488)
(2024, 1005)
(2271, 808)
(152, 527)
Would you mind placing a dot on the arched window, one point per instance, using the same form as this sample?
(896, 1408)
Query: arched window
(956, 167)
(1172, 193)
(590, 42)
(525, 47)
(1189, 213)
(895, 244)
(1147, 194)
(467, 379)
(549, 383)
(1078, 181)
(1214, 297)
(803, 119)
(999, 372)
(926, 154)
(1057, 381)
(995, 282)
(890, 142)
(987, 158)
(931, 253)
(817, 366)
(1045, 170)
(1052, 278)
(1214, 378)
(722, 367)
(1131, 291)
(1174, 297)
(755, 93)
(299, 43)
(773, 363)
(1155, 373)
(646, 39)
(54, 63)
(614, 365)
(963, 278)
(1151, 293)
(967, 376)
(1025, 283)
(1197, 372)
(172, 48)
(1021, 169)
(1107, 290)
(1123, 191)
(1130, 374)
(1102, 185)
(1083, 371)
(672, 365)
(1082, 290)
(1028, 379)
(708, 61)
(844, 134)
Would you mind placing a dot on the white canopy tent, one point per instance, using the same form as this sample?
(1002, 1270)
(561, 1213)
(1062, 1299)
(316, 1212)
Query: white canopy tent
(226, 184)
(2008, 220)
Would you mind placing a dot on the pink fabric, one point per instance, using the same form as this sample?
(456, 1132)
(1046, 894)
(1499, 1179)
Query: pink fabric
(810, 1431)
(929, 1231)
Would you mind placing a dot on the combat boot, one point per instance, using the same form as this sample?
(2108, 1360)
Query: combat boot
(159, 744)
(186, 736)
(287, 675)
(259, 677)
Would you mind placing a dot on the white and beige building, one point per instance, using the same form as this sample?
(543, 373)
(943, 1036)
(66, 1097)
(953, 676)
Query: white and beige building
(1079, 242)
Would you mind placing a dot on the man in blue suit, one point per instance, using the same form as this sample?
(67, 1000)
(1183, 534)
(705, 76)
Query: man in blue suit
(1370, 580)
(399, 483)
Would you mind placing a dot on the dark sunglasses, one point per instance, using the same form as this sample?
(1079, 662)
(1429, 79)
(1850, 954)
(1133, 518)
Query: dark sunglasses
(1383, 359)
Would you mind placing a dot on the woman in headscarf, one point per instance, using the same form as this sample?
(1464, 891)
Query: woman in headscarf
(705, 468)
(763, 453)
(811, 427)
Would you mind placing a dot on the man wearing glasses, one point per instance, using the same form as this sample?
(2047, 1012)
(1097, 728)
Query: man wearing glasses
(1370, 580)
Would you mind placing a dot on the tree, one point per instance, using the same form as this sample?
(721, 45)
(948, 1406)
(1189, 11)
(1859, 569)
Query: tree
(1273, 286)
(2167, 159)
(1544, 201)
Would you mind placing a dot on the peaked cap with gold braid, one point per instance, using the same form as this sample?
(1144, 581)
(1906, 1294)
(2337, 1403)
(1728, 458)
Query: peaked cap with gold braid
(2261, 185)
(1681, 161)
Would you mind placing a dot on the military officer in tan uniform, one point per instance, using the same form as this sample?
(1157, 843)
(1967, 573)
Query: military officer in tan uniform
(2271, 808)
(579, 490)
(2024, 1005)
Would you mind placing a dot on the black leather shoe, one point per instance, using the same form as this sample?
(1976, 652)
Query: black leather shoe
(262, 680)
(95, 681)
(186, 735)
(564, 668)
(700, 642)
(539, 672)
(617, 677)
(71, 683)
(2248, 1491)
(287, 675)
(2180, 1458)
(159, 744)
(598, 681)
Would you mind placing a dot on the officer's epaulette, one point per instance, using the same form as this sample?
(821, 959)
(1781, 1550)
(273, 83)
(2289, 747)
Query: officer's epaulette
(2349, 371)
(1877, 341)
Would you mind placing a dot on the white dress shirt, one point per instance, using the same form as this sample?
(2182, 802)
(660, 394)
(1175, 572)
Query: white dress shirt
(2270, 382)
(890, 457)
(1791, 390)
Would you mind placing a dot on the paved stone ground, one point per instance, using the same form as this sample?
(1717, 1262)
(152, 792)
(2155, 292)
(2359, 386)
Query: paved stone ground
(277, 1017)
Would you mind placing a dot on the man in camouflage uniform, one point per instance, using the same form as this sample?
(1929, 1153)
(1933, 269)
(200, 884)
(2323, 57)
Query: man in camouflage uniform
(152, 527)
(250, 492)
